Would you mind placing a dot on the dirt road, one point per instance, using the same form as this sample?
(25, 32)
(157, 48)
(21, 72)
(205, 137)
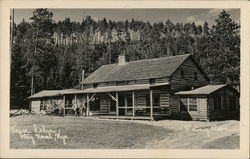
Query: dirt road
(197, 135)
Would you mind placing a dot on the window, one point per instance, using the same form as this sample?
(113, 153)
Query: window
(195, 76)
(183, 104)
(156, 99)
(182, 74)
(192, 104)
(188, 104)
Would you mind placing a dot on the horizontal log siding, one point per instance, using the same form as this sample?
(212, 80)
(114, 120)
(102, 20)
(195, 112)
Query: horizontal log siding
(121, 83)
(161, 80)
(111, 83)
(202, 109)
(140, 100)
(131, 82)
(174, 105)
(164, 100)
(85, 86)
(103, 84)
(142, 81)
(200, 114)
(104, 104)
(178, 83)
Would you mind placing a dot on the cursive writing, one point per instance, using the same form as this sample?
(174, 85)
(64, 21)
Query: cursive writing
(39, 133)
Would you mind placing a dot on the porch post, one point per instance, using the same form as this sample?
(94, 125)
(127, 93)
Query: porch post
(117, 109)
(126, 103)
(133, 103)
(75, 104)
(64, 105)
(151, 103)
(87, 104)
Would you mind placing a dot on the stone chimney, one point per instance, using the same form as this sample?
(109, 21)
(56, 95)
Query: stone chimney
(121, 59)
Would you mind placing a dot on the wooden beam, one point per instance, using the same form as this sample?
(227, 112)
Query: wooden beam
(133, 103)
(64, 105)
(117, 104)
(151, 103)
(92, 97)
(112, 96)
(88, 104)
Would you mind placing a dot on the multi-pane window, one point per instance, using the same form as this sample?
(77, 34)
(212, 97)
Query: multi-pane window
(192, 104)
(188, 104)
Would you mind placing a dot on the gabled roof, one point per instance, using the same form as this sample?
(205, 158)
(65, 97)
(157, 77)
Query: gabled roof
(205, 90)
(142, 69)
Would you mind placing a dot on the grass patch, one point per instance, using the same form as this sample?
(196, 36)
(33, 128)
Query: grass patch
(85, 133)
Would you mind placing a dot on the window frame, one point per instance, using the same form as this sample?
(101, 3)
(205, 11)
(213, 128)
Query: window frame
(191, 104)
(188, 104)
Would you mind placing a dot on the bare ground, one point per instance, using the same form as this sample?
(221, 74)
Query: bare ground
(197, 135)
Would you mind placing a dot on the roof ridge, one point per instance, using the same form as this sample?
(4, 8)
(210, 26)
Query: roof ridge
(150, 59)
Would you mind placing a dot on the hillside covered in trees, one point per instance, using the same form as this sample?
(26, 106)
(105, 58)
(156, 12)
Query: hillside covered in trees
(50, 55)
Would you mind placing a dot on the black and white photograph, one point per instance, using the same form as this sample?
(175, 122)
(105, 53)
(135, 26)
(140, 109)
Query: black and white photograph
(125, 78)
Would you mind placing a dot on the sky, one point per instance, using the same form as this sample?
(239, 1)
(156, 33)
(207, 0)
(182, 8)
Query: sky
(199, 16)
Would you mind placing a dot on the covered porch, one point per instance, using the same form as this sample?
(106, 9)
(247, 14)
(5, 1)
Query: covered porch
(142, 101)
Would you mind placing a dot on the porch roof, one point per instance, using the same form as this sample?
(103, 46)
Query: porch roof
(54, 93)
(117, 88)
(205, 90)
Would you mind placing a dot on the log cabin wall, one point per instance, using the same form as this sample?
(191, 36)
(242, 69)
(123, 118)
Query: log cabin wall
(104, 104)
(200, 114)
(183, 78)
(162, 80)
(225, 112)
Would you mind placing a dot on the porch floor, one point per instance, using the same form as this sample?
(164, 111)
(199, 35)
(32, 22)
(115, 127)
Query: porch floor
(123, 117)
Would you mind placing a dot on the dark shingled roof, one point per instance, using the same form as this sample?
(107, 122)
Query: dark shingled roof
(142, 69)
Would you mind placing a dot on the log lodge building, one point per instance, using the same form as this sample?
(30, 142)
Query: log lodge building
(161, 88)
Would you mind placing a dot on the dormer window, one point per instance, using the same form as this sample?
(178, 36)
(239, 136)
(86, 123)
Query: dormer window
(182, 74)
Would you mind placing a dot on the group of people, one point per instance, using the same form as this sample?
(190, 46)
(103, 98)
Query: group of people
(80, 108)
